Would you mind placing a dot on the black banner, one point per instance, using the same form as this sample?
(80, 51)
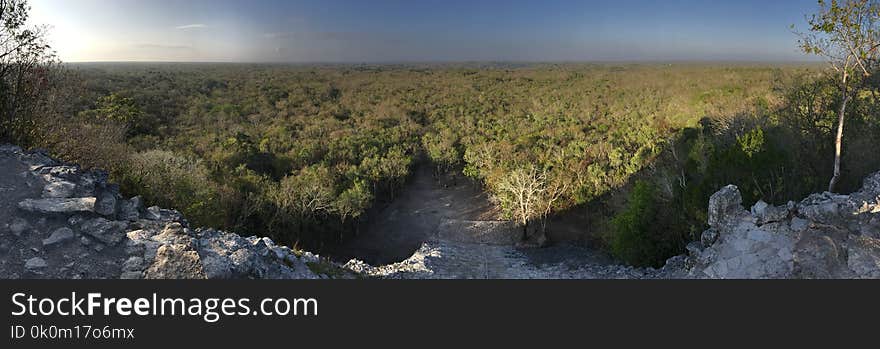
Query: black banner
(337, 312)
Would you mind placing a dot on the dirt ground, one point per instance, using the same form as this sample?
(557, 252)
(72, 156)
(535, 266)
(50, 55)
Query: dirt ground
(66, 261)
(415, 217)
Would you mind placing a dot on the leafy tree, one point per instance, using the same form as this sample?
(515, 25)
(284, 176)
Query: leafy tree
(441, 149)
(117, 108)
(122, 110)
(353, 201)
(25, 63)
(308, 193)
(844, 33)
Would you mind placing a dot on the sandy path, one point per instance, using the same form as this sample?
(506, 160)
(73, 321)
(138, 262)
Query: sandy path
(413, 217)
(448, 230)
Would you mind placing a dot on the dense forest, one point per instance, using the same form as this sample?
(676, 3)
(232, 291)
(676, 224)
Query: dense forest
(302, 153)
(305, 153)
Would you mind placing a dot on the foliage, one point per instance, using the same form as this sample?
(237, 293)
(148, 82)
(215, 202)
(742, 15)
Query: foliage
(307, 194)
(122, 110)
(174, 181)
(632, 237)
(25, 71)
(846, 34)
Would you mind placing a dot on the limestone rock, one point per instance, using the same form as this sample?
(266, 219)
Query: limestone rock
(820, 255)
(106, 204)
(58, 205)
(131, 275)
(152, 213)
(694, 248)
(130, 209)
(864, 257)
(106, 231)
(709, 237)
(175, 262)
(724, 205)
(766, 213)
(133, 263)
(19, 226)
(35, 263)
(759, 208)
(59, 189)
(822, 211)
(799, 224)
(58, 236)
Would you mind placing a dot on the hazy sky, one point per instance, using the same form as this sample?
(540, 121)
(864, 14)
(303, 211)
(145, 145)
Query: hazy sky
(421, 30)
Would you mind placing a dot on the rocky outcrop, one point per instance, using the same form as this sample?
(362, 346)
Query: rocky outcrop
(59, 221)
(824, 236)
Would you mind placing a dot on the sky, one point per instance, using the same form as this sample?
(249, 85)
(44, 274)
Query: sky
(353, 31)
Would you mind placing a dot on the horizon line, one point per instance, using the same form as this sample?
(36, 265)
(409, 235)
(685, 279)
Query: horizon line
(633, 61)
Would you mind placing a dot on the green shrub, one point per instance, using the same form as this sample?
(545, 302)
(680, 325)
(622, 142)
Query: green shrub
(631, 239)
(172, 181)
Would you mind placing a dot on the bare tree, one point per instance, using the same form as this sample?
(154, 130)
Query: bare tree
(845, 34)
(520, 194)
(556, 190)
(528, 193)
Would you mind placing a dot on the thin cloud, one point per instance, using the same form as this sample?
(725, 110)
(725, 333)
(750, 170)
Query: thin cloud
(191, 26)
(163, 46)
(332, 36)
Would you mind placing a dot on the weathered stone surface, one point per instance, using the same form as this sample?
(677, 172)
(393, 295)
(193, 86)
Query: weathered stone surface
(59, 189)
(58, 236)
(106, 231)
(694, 248)
(748, 251)
(766, 213)
(106, 204)
(133, 263)
(131, 275)
(819, 255)
(175, 262)
(759, 208)
(130, 209)
(822, 211)
(58, 205)
(824, 236)
(864, 257)
(19, 226)
(709, 237)
(152, 213)
(799, 224)
(35, 263)
(724, 205)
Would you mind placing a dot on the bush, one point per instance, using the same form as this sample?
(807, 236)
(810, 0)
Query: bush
(441, 149)
(91, 145)
(124, 110)
(172, 181)
(631, 239)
